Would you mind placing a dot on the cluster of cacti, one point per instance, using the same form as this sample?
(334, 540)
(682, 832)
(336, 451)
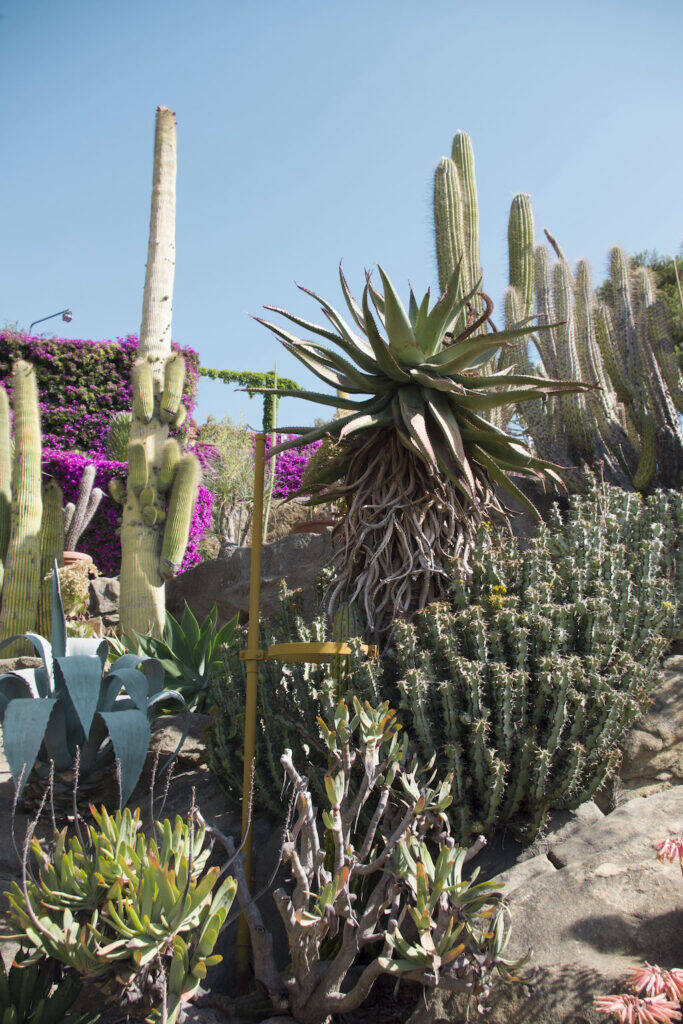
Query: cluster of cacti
(376, 876)
(35, 994)
(31, 519)
(162, 484)
(522, 683)
(71, 711)
(135, 916)
(627, 428)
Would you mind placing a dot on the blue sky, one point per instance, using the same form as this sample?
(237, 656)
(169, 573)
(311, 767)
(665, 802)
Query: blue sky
(308, 132)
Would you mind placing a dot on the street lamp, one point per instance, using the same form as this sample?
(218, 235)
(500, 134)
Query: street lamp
(66, 315)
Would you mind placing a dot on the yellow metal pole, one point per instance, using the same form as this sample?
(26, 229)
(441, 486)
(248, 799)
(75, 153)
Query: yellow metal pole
(251, 657)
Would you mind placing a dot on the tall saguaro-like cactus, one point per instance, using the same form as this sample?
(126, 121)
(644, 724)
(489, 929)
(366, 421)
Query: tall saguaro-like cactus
(21, 583)
(158, 384)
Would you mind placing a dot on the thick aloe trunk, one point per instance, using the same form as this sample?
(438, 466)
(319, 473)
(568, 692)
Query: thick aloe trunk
(142, 587)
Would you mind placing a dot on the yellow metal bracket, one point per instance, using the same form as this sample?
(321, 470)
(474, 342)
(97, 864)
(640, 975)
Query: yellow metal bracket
(292, 652)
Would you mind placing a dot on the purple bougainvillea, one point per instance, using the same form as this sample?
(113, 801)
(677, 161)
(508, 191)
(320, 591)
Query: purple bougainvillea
(290, 465)
(102, 539)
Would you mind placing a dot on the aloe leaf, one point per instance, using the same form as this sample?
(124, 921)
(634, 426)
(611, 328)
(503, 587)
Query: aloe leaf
(190, 627)
(378, 419)
(460, 354)
(81, 675)
(57, 618)
(312, 396)
(130, 735)
(436, 322)
(299, 351)
(413, 411)
(354, 309)
(500, 477)
(444, 416)
(383, 355)
(22, 734)
(413, 309)
(366, 382)
(399, 329)
(337, 320)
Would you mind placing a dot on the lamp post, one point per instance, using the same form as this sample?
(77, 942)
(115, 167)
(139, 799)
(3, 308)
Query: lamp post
(66, 315)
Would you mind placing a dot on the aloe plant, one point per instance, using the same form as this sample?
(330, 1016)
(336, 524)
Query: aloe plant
(71, 706)
(418, 463)
(191, 655)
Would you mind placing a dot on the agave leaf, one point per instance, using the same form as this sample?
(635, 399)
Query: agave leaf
(383, 354)
(190, 627)
(57, 618)
(88, 646)
(130, 735)
(413, 309)
(81, 676)
(399, 329)
(23, 729)
(311, 362)
(165, 695)
(135, 684)
(20, 683)
(500, 477)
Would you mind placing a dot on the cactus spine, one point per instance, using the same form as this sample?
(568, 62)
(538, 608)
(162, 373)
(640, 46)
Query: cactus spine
(22, 564)
(5, 479)
(51, 550)
(180, 507)
(150, 465)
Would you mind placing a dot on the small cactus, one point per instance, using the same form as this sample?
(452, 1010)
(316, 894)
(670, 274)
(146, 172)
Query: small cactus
(180, 508)
(143, 390)
(138, 473)
(87, 503)
(170, 456)
(174, 381)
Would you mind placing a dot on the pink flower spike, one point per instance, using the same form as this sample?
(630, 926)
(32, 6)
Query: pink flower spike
(634, 1010)
(651, 980)
(670, 849)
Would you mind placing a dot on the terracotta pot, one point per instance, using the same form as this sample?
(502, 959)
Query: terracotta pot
(313, 526)
(76, 558)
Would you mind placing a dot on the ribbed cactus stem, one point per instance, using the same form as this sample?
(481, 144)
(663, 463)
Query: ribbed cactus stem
(22, 564)
(462, 154)
(448, 225)
(118, 436)
(179, 519)
(174, 381)
(87, 503)
(142, 606)
(5, 479)
(147, 496)
(521, 251)
(170, 457)
(143, 390)
(647, 460)
(180, 416)
(117, 490)
(51, 550)
(138, 471)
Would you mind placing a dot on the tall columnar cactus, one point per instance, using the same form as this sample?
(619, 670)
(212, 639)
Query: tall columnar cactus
(627, 429)
(51, 550)
(21, 585)
(157, 385)
(5, 479)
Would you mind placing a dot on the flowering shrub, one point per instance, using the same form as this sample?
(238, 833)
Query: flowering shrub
(82, 383)
(101, 539)
(289, 465)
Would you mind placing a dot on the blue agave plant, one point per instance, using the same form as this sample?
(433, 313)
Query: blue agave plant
(72, 703)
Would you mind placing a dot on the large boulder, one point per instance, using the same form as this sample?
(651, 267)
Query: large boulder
(653, 750)
(224, 582)
(593, 905)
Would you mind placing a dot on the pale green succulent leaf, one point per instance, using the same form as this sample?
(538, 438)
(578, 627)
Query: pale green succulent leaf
(130, 735)
(383, 354)
(337, 321)
(23, 730)
(460, 355)
(413, 412)
(398, 327)
(354, 309)
(499, 476)
(378, 419)
(81, 676)
(319, 397)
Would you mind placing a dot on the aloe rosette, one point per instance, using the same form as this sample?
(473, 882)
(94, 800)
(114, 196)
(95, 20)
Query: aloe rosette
(71, 707)
(417, 464)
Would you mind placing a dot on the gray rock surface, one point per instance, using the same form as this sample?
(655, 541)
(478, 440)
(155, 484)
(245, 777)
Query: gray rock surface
(653, 751)
(105, 592)
(225, 582)
(595, 905)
